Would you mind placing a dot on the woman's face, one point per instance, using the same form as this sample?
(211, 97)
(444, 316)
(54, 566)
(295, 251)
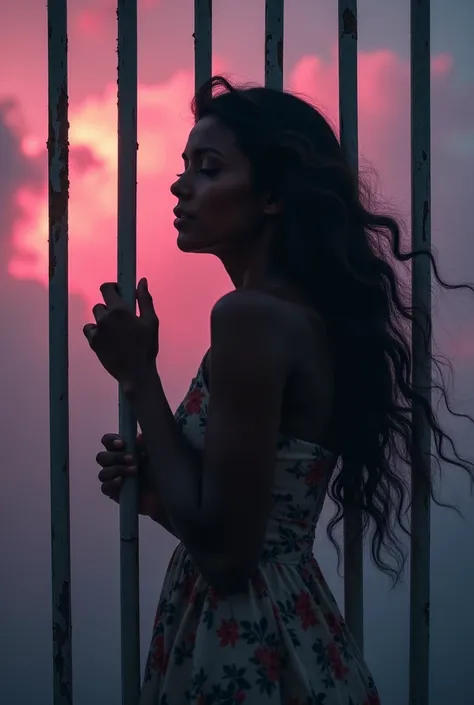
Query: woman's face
(218, 209)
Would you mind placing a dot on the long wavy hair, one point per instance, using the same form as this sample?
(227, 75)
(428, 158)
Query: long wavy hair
(342, 256)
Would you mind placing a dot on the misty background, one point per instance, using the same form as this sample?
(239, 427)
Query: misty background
(184, 289)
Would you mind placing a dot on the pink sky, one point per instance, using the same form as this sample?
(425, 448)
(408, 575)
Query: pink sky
(184, 288)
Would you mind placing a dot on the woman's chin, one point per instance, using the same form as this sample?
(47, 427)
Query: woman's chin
(185, 243)
(189, 244)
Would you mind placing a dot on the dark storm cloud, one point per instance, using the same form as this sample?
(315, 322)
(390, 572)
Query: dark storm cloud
(15, 170)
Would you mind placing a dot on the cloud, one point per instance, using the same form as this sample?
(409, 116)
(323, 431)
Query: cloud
(25, 602)
(184, 288)
(18, 171)
(96, 19)
(164, 121)
(384, 143)
(82, 160)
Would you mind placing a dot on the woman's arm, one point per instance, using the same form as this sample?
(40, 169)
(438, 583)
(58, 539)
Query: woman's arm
(151, 506)
(221, 514)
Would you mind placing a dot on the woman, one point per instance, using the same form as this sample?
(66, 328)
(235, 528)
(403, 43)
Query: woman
(309, 365)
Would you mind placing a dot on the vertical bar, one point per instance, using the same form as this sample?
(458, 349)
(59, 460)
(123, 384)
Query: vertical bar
(202, 42)
(348, 125)
(126, 277)
(274, 10)
(58, 178)
(421, 300)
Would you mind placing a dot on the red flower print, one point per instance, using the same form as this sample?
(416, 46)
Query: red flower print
(304, 610)
(228, 632)
(240, 696)
(338, 668)
(333, 623)
(270, 660)
(276, 612)
(193, 402)
(158, 615)
(316, 473)
(159, 660)
(372, 699)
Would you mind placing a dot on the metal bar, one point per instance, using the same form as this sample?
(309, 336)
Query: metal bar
(421, 301)
(58, 181)
(202, 42)
(126, 277)
(274, 11)
(348, 125)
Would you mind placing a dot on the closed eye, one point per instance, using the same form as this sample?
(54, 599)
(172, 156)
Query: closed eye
(207, 172)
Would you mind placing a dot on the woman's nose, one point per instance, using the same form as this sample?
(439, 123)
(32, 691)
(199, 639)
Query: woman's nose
(179, 188)
(174, 188)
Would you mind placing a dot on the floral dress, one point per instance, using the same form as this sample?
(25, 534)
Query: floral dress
(284, 642)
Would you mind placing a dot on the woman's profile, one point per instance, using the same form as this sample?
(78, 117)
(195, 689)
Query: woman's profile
(306, 390)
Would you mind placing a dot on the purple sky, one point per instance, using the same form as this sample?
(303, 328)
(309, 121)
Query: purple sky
(184, 288)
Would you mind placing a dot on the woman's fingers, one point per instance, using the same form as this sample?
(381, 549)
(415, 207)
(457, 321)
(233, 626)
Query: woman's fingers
(116, 472)
(107, 458)
(116, 464)
(112, 488)
(112, 441)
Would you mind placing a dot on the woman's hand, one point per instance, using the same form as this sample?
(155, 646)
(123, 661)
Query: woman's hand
(117, 464)
(126, 344)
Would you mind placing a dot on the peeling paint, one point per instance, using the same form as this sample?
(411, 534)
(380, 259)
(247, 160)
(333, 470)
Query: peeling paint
(426, 213)
(420, 70)
(62, 643)
(349, 23)
(202, 37)
(268, 40)
(58, 163)
(280, 54)
(58, 196)
(274, 44)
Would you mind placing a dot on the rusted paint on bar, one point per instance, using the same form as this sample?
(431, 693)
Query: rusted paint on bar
(421, 299)
(274, 21)
(126, 276)
(202, 42)
(58, 183)
(348, 120)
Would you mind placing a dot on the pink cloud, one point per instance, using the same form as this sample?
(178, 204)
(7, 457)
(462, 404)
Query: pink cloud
(94, 21)
(164, 122)
(91, 22)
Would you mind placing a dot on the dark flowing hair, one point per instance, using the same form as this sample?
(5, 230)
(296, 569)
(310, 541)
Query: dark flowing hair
(341, 255)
